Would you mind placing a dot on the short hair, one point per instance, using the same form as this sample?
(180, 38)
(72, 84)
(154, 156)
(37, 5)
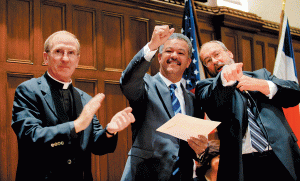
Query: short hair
(218, 42)
(214, 41)
(179, 36)
(48, 42)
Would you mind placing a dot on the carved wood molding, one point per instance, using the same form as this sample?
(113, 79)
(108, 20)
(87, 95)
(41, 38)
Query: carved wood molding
(253, 19)
(275, 26)
(231, 17)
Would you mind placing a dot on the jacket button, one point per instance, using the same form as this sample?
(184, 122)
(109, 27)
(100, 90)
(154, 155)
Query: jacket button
(69, 161)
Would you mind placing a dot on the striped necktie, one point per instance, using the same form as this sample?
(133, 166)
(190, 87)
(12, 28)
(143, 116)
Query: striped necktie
(177, 109)
(258, 140)
(175, 102)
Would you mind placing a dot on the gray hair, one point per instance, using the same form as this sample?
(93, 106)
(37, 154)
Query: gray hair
(179, 36)
(48, 42)
(213, 41)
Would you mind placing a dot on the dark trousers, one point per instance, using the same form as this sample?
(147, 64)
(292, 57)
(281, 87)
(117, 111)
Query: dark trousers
(264, 166)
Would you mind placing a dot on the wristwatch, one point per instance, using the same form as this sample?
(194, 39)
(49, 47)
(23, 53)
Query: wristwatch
(112, 134)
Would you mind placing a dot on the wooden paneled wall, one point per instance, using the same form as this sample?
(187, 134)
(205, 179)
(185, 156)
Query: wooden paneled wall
(111, 32)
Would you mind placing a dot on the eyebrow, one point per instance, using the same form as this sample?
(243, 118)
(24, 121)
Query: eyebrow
(212, 53)
(69, 48)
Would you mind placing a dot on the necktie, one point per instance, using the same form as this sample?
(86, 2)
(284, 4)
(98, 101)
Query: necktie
(258, 140)
(177, 109)
(175, 101)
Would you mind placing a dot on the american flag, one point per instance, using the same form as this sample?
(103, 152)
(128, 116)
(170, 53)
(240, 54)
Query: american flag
(191, 74)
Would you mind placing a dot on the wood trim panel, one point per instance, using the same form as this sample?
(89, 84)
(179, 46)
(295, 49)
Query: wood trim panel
(138, 36)
(53, 18)
(90, 86)
(260, 55)
(230, 38)
(114, 98)
(13, 80)
(84, 20)
(113, 41)
(19, 26)
(247, 53)
(271, 54)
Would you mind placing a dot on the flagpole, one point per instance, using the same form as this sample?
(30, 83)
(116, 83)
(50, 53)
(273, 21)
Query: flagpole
(196, 23)
(281, 18)
(197, 29)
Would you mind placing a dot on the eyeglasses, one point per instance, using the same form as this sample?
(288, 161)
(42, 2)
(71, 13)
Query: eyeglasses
(207, 62)
(60, 53)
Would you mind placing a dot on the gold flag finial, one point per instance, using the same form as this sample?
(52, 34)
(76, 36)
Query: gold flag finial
(283, 4)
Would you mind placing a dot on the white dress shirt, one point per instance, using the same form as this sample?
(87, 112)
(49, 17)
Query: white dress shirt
(148, 55)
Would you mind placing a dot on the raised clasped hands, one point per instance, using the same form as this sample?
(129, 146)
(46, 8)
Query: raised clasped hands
(159, 36)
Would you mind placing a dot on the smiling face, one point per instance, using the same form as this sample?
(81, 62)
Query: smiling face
(214, 57)
(174, 59)
(63, 57)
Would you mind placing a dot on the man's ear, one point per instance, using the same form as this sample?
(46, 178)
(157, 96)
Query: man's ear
(78, 61)
(159, 57)
(230, 54)
(189, 62)
(45, 57)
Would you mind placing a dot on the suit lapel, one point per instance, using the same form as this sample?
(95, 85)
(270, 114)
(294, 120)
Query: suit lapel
(189, 106)
(164, 95)
(240, 104)
(45, 89)
(77, 102)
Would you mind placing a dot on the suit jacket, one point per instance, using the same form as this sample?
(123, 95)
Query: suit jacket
(229, 105)
(153, 154)
(49, 148)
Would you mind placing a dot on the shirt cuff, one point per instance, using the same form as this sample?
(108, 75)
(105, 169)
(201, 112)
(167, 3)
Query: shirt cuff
(148, 53)
(72, 130)
(273, 89)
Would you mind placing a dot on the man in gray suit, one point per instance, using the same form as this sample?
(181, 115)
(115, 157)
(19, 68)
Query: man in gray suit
(155, 155)
(256, 140)
(55, 123)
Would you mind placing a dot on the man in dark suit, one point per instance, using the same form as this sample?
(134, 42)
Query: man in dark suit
(155, 155)
(55, 123)
(243, 101)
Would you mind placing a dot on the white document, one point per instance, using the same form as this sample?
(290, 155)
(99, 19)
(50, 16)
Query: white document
(183, 127)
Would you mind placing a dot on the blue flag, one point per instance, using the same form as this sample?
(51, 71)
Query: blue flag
(191, 74)
(285, 66)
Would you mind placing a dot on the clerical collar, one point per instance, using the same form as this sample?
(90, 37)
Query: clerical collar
(65, 84)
